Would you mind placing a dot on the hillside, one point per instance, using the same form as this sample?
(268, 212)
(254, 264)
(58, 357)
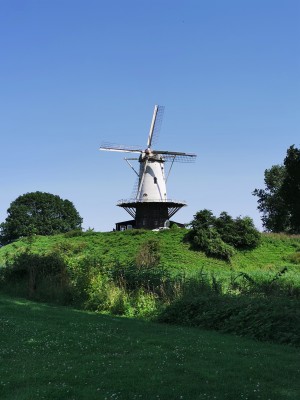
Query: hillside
(155, 275)
(275, 253)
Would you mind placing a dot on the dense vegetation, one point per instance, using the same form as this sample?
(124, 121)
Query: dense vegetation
(279, 202)
(51, 352)
(157, 275)
(221, 236)
(38, 213)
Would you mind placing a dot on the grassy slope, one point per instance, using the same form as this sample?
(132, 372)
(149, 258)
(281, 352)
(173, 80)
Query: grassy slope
(269, 258)
(51, 352)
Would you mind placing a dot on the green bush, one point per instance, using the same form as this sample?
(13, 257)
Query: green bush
(104, 296)
(294, 258)
(150, 280)
(239, 233)
(263, 285)
(215, 247)
(65, 247)
(144, 304)
(209, 241)
(118, 298)
(148, 255)
(40, 276)
(219, 237)
(272, 319)
(74, 233)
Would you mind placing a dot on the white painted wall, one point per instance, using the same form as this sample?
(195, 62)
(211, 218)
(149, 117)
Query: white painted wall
(151, 188)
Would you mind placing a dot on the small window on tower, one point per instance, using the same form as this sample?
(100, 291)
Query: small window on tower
(155, 180)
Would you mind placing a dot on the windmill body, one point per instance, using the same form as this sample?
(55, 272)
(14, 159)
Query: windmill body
(150, 206)
(152, 181)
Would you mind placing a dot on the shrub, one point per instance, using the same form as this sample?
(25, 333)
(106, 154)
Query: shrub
(74, 233)
(148, 255)
(271, 319)
(239, 233)
(144, 304)
(209, 241)
(151, 280)
(40, 274)
(218, 237)
(68, 248)
(294, 258)
(104, 296)
(215, 247)
(173, 226)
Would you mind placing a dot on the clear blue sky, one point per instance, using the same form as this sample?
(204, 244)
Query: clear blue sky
(76, 72)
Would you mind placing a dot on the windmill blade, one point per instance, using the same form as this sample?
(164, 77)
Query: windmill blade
(155, 124)
(176, 156)
(174, 153)
(121, 148)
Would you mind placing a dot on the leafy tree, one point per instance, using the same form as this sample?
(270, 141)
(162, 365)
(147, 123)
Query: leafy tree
(239, 233)
(279, 202)
(226, 227)
(38, 213)
(219, 237)
(291, 187)
(203, 219)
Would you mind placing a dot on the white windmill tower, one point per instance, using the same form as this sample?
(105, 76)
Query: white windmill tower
(150, 206)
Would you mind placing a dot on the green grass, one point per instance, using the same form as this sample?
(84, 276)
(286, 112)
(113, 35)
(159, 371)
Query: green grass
(96, 271)
(49, 352)
(263, 262)
(176, 254)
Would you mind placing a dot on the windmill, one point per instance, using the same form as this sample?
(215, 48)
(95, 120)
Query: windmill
(150, 206)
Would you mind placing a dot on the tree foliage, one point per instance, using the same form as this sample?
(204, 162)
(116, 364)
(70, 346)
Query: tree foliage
(279, 202)
(219, 237)
(38, 213)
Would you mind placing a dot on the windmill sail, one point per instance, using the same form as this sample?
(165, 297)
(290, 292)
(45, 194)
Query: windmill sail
(155, 124)
(120, 147)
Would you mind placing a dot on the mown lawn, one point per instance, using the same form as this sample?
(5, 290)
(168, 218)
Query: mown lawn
(49, 352)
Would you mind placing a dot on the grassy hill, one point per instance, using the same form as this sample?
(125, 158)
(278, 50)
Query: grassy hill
(256, 294)
(49, 352)
(275, 252)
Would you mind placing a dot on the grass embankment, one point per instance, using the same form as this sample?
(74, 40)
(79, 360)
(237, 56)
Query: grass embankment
(256, 294)
(51, 352)
(275, 253)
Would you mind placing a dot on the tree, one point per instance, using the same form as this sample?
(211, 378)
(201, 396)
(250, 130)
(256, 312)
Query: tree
(239, 232)
(291, 187)
(219, 237)
(38, 213)
(279, 202)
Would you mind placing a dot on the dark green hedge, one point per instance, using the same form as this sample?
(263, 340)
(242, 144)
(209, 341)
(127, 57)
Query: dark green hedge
(271, 319)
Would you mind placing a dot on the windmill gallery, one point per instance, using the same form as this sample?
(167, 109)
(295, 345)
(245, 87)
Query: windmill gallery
(150, 206)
